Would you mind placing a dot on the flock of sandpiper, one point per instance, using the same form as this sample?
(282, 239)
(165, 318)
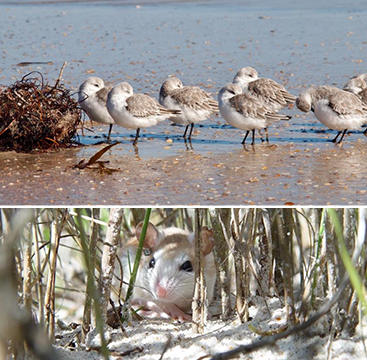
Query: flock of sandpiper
(249, 103)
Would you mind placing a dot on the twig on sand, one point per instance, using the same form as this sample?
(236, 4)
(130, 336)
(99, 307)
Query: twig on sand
(93, 160)
(166, 345)
(60, 75)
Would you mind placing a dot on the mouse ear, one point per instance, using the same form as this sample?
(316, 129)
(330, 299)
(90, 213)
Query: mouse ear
(151, 236)
(207, 239)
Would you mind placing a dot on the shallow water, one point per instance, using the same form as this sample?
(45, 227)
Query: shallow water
(203, 43)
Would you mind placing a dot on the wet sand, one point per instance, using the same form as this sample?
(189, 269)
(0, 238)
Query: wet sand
(204, 44)
(268, 175)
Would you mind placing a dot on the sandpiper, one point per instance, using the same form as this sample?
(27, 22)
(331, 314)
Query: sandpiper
(194, 103)
(92, 97)
(358, 86)
(244, 111)
(273, 95)
(335, 108)
(135, 111)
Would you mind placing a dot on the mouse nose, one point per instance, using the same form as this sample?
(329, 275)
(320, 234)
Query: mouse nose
(161, 291)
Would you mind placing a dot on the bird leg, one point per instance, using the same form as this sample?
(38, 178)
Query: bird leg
(267, 134)
(344, 132)
(244, 139)
(188, 145)
(136, 137)
(253, 137)
(109, 133)
(261, 135)
(336, 137)
(192, 126)
(184, 135)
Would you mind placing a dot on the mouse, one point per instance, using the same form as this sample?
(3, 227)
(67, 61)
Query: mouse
(165, 280)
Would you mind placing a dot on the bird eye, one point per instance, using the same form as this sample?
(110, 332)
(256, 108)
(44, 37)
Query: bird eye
(96, 85)
(187, 266)
(151, 263)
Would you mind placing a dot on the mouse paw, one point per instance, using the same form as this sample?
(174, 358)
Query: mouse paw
(148, 308)
(175, 312)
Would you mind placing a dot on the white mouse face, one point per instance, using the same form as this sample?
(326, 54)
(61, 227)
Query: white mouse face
(170, 270)
(167, 274)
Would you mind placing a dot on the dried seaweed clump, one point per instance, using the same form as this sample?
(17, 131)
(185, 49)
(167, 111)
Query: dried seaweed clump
(37, 116)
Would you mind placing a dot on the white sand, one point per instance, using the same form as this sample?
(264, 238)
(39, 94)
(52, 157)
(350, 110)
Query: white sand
(151, 335)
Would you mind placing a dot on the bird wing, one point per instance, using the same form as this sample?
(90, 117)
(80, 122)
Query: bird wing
(363, 96)
(194, 98)
(249, 106)
(102, 93)
(141, 105)
(269, 90)
(346, 103)
(277, 117)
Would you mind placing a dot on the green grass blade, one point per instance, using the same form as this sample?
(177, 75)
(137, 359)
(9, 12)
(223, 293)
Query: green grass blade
(138, 255)
(355, 279)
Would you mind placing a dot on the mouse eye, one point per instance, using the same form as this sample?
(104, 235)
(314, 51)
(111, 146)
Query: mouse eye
(187, 266)
(151, 263)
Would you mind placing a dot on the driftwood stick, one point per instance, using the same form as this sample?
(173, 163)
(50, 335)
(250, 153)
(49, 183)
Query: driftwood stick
(60, 75)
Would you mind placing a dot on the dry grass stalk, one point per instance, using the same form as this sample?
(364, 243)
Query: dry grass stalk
(199, 305)
(266, 255)
(56, 229)
(286, 243)
(17, 324)
(27, 271)
(221, 254)
(240, 267)
(39, 282)
(108, 257)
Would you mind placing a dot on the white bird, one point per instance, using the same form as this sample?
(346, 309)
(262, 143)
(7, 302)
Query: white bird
(273, 95)
(335, 108)
(135, 111)
(92, 97)
(195, 104)
(244, 111)
(358, 86)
